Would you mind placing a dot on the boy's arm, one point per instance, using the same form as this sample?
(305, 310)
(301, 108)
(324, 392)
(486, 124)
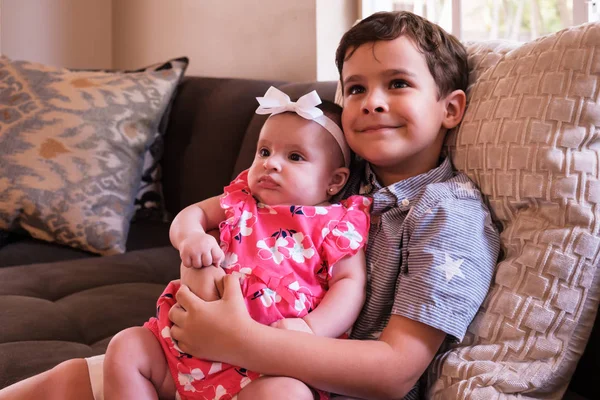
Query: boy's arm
(451, 258)
(385, 368)
(343, 301)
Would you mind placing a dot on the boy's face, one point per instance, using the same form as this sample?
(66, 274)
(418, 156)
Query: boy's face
(392, 116)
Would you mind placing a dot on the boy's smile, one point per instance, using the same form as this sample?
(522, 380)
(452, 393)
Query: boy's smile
(392, 115)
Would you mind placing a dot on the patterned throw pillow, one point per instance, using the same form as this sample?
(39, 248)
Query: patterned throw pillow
(149, 203)
(529, 139)
(72, 147)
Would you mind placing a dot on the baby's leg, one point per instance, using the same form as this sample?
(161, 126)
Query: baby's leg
(69, 380)
(277, 388)
(135, 367)
(203, 282)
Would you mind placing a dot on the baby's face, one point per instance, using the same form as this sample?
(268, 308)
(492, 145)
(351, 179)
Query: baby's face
(293, 162)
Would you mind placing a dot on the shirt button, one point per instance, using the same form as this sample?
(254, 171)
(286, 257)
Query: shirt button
(405, 202)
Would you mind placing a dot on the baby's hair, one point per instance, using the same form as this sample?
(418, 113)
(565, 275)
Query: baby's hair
(332, 111)
(446, 57)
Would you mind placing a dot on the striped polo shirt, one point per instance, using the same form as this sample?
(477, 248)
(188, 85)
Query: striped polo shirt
(431, 252)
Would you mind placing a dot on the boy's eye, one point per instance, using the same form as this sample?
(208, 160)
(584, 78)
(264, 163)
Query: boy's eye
(296, 157)
(355, 89)
(398, 84)
(263, 152)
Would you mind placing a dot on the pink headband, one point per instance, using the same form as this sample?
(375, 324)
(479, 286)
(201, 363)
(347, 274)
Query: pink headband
(276, 102)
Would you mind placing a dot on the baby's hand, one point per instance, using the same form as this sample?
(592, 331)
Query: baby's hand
(292, 324)
(199, 250)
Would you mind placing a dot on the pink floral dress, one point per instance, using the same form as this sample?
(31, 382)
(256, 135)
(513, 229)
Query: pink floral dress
(286, 255)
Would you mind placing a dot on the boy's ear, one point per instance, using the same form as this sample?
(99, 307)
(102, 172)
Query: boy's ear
(338, 180)
(456, 103)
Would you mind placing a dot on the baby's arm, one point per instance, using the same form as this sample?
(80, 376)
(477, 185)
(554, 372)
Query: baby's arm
(343, 301)
(188, 233)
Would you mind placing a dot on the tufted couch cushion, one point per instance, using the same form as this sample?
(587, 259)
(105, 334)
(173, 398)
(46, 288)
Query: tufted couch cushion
(72, 309)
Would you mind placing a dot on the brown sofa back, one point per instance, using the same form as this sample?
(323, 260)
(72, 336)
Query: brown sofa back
(212, 134)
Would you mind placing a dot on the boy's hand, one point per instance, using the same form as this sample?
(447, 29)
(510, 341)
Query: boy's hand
(199, 249)
(293, 324)
(200, 329)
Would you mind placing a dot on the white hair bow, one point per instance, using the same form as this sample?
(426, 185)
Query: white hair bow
(276, 102)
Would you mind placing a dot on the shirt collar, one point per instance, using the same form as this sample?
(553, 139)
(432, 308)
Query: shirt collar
(402, 194)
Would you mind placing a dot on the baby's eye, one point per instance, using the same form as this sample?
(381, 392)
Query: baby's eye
(296, 157)
(355, 89)
(263, 152)
(398, 84)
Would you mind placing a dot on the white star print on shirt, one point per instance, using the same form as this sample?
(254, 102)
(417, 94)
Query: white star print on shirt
(451, 268)
(466, 186)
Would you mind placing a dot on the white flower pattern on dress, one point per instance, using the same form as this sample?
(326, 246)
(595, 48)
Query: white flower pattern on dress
(230, 261)
(348, 237)
(244, 382)
(166, 333)
(298, 252)
(270, 249)
(300, 303)
(215, 367)
(220, 392)
(269, 297)
(265, 209)
(245, 227)
(186, 380)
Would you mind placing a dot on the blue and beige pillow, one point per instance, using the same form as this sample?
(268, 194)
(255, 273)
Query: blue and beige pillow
(149, 203)
(529, 140)
(73, 146)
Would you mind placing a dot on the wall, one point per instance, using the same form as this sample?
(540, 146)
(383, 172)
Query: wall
(270, 39)
(70, 33)
(334, 18)
(243, 38)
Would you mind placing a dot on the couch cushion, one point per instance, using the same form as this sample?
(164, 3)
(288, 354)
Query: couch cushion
(529, 140)
(73, 144)
(57, 311)
(23, 249)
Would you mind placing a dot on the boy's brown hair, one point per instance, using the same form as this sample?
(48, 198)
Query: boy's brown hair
(446, 57)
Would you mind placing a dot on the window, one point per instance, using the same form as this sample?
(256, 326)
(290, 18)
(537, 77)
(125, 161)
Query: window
(519, 20)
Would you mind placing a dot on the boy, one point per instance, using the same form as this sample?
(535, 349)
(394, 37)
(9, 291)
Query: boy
(432, 247)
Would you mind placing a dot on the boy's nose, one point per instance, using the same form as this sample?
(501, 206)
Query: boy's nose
(374, 104)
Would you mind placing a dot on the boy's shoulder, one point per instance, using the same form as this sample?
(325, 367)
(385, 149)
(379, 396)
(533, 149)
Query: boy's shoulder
(442, 184)
(456, 190)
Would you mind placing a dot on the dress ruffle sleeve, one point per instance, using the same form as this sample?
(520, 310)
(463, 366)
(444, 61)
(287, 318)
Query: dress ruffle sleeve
(346, 236)
(233, 201)
(235, 195)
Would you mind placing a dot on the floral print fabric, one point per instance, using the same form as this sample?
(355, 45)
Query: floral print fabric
(287, 254)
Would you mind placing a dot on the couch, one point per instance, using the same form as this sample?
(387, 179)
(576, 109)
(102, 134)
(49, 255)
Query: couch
(59, 303)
